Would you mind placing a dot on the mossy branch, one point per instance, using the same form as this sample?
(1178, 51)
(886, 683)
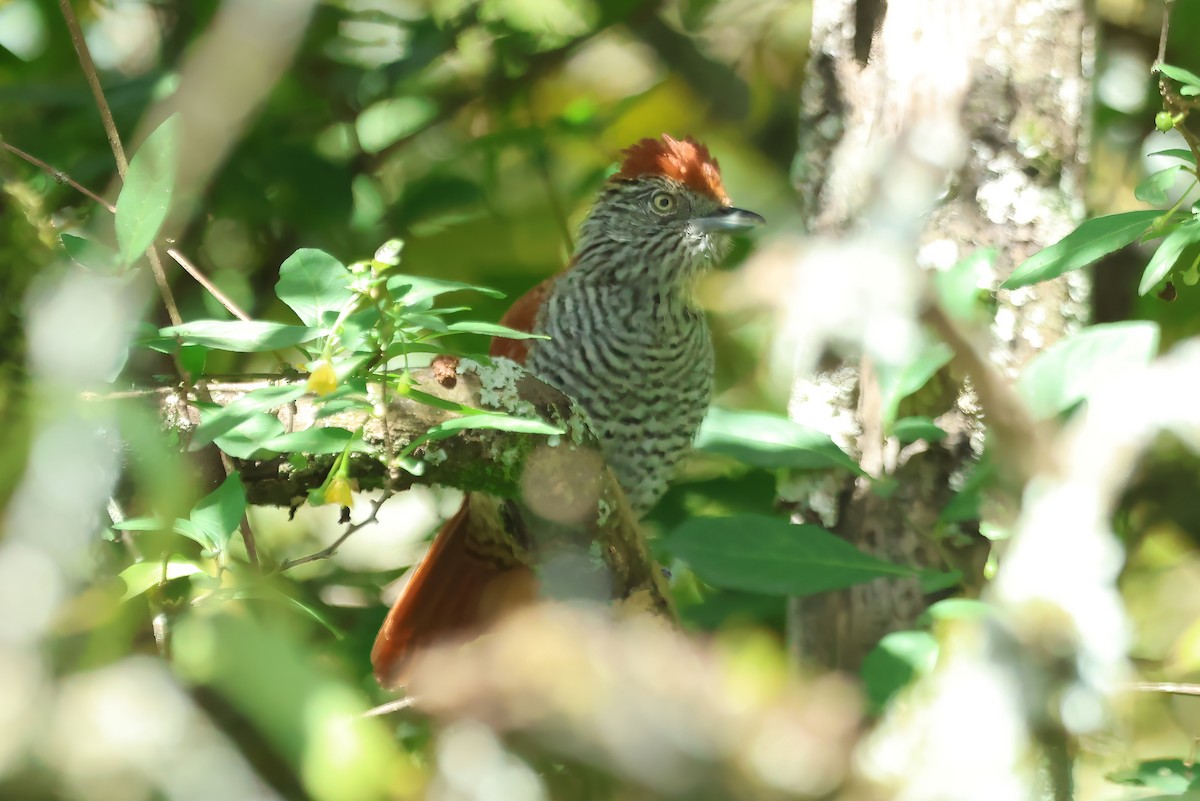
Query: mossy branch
(559, 484)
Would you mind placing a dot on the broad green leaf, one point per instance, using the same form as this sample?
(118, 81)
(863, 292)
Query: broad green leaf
(1177, 153)
(897, 383)
(959, 288)
(414, 289)
(1189, 91)
(1087, 243)
(1167, 254)
(770, 441)
(193, 532)
(1179, 74)
(145, 198)
(894, 662)
(192, 359)
(91, 255)
(911, 429)
(1153, 188)
(219, 513)
(245, 441)
(388, 121)
(491, 330)
(241, 336)
(217, 423)
(767, 555)
(316, 441)
(141, 576)
(1070, 370)
(315, 285)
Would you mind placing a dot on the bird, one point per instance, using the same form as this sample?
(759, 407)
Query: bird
(627, 342)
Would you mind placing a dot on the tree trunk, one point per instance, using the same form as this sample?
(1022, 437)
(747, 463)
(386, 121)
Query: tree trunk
(931, 129)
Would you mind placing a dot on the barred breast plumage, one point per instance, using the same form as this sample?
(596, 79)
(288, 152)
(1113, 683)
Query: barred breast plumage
(627, 344)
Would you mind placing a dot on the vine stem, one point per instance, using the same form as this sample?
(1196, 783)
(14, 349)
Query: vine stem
(331, 549)
(88, 65)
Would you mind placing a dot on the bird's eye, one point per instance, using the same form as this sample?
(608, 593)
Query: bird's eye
(663, 203)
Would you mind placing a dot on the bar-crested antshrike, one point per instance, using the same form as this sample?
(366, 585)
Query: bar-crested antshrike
(627, 343)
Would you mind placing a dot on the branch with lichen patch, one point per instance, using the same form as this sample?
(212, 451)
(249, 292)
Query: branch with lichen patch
(558, 483)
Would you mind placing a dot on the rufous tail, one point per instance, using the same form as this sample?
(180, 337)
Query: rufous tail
(454, 592)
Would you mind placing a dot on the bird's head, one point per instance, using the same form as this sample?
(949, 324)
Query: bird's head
(667, 204)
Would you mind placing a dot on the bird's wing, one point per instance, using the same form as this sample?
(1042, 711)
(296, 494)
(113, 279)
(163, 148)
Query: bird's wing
(522, 316)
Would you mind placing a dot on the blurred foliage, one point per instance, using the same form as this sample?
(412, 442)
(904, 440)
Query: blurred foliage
(477, 131)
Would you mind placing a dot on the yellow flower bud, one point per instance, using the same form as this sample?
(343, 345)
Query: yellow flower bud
(339, 492)
(322, 380)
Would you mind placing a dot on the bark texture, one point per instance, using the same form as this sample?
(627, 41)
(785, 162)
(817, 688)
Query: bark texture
(943, 129)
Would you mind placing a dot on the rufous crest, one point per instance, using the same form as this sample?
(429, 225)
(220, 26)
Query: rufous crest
(686, 161)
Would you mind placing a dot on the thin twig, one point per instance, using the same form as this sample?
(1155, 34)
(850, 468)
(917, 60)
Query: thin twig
(1168, 6)
(541, 162)
(1167, 687)
(156, 267)
(209, 286)
(58, 175)
(180, 259)
(329, 551)
(93, 79)
(1008, 417)
(399, 705)
(118, 150)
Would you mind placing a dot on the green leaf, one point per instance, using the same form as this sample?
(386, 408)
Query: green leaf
(894, 662)
(1165, 775)
(145, 198)
(245, 441)
(217, 423)
(1153, 188)
(494, 422)
(315, 285)
(1177, 153)
(219, 513)
(388, 121)
(959, 288)
(1070, 370)
(316, 441)
(268, 592)
(91, 255)
(192, 359)
(413, 289)
(241, 336)
(911, 429)
(442, 403)
(1167, 254)
(770, 441)
(1087, 243)
(1179, 74)
(767, 555)
(193, 532)
(897, 383)
(491, 330)
(141, 576)
(955, 609)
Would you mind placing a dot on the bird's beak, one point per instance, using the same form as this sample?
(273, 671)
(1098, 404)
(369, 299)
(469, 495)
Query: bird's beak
(729, 220)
